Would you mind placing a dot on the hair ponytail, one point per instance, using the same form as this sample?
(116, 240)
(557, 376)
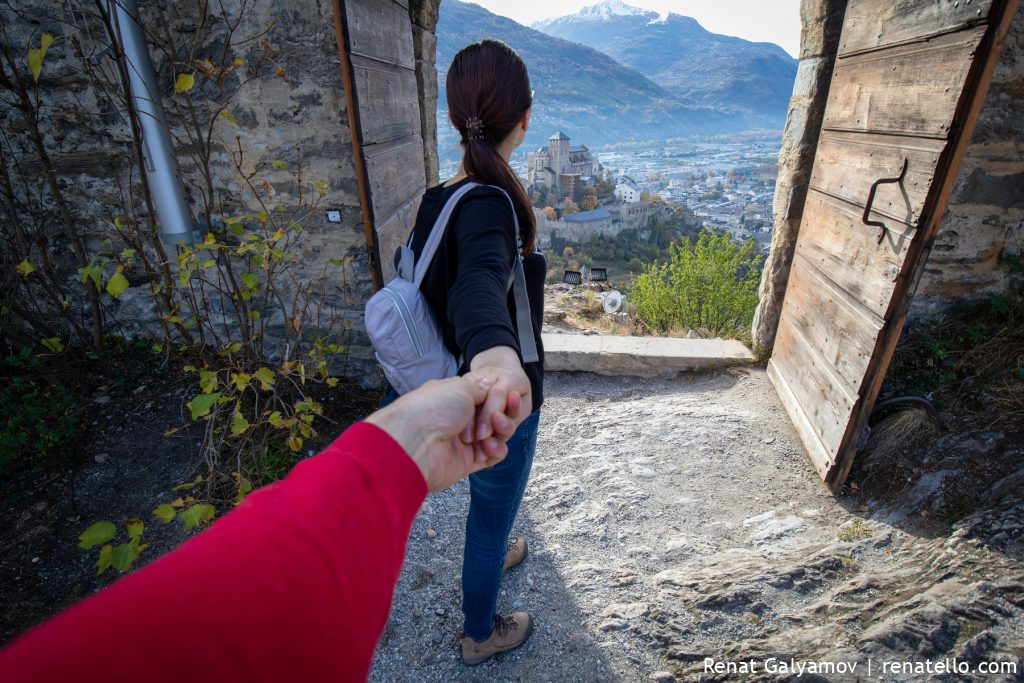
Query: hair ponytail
(485, 114)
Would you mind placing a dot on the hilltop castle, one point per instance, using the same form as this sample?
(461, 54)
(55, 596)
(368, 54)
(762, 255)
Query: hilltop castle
(558, 167)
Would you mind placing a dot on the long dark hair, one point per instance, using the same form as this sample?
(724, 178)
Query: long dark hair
(488, 95)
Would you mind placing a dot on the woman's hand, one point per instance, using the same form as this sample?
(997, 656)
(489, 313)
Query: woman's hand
(509, 400)
(429, 422)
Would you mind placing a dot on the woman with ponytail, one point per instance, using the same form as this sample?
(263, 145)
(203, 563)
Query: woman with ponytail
(467, 285)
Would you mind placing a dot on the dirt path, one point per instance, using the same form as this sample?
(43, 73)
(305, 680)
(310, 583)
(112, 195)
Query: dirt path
(673, 520)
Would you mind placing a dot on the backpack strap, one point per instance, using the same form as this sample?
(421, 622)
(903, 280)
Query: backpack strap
(517, 282)
(417, 274)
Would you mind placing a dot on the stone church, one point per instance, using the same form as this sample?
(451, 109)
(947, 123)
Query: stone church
(559, 167)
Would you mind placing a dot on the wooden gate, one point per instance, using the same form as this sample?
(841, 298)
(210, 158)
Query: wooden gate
(908, 83)
(379, 69)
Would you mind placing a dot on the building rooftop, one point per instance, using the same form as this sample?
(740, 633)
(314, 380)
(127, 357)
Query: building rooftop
(587, 216)
(558, 135)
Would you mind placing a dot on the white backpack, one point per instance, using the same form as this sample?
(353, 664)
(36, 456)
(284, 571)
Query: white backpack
(406, 338)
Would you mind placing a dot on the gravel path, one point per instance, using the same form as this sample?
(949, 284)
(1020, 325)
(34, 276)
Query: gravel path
(672, 520)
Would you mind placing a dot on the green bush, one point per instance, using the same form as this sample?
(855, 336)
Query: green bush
(711, 285)
(37, 419)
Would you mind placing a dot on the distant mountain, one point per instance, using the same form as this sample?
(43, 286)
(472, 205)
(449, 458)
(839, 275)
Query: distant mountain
(677, 53)
(582, 91)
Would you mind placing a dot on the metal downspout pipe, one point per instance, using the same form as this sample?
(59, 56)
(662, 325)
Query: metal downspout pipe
(173, 214)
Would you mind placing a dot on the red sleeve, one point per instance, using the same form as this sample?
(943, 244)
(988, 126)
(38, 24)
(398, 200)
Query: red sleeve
(294, 585)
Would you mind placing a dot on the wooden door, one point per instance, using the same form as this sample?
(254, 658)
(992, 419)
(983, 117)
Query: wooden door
(379, 69)
(908, 83)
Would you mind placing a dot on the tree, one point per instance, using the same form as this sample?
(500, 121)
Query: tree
(569, 206)
(549, 213)
(589, 203)
(568, 253)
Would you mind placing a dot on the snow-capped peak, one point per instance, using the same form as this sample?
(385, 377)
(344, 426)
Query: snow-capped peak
(609, 8)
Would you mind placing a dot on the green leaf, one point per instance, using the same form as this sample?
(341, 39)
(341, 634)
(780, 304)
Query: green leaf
(244, 487)
(250, 280)
(35, 56)
(97, 534)
(338, 261)
(278, 164)
(195, 515)
(238, 423)
(266, 378)
(207, 381)
(201, 404)
(229, 116)
(275, 419)
(53, 344)
(103, 562)
(134, 528)
(25, 268)
(165, 513)
(122, 557)
(117, 284)
(184, 82)
(128, 253)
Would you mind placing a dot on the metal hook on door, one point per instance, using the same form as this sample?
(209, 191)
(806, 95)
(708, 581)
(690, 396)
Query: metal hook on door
(871, 200)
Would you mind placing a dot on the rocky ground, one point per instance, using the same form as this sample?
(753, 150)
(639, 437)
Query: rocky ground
(676, 520)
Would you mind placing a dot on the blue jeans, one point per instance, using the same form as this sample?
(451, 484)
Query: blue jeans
(495, 495)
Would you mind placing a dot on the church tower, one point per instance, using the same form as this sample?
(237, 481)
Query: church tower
(558, 149)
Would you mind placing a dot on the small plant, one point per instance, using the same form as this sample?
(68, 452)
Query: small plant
(121, 556)
(857, 530)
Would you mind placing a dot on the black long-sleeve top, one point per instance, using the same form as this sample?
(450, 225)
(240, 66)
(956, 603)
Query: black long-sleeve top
(467, 282)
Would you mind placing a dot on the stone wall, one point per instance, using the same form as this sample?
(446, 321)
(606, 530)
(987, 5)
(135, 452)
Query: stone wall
(424, 14)
(288, 105)
(982, 232)
(821, 24)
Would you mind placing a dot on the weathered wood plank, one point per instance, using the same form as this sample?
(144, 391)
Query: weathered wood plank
(394, 231)
(873, 24)
(909, 90)
(847, 164)
(819, 454)
(836, 324)
(395, 173)
(969, 105)
(833, 239)
(826, 401)
(380, 29)
(388, 100)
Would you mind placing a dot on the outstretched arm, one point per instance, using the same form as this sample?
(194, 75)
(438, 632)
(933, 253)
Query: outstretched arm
(295, 584)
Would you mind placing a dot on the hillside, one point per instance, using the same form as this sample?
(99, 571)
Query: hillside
(677, 53)
(582, 91)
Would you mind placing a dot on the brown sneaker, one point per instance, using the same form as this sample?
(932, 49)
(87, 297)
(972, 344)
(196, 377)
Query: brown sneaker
(509, 633)
(517, 552)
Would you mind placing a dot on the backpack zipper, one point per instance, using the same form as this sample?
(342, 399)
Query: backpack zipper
(403, 309)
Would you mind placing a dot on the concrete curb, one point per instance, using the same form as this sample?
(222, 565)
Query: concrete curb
(639, 356)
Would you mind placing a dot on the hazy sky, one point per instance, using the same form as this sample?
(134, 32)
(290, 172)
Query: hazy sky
(773, 21)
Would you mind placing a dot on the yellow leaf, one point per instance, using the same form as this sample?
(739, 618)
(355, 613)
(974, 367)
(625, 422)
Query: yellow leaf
(35, 63)
(295, 443)
(238, 61)
(171, 431)
(280, 72)
(184, 82)
(25, 268)
(228, 115)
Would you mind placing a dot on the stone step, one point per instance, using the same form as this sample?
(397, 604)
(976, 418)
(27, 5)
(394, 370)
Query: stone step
(639, 356)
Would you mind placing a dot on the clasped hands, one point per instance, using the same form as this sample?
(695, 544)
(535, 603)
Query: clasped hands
(454, 427)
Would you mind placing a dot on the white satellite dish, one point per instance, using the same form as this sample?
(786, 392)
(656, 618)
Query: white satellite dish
(613, 302)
